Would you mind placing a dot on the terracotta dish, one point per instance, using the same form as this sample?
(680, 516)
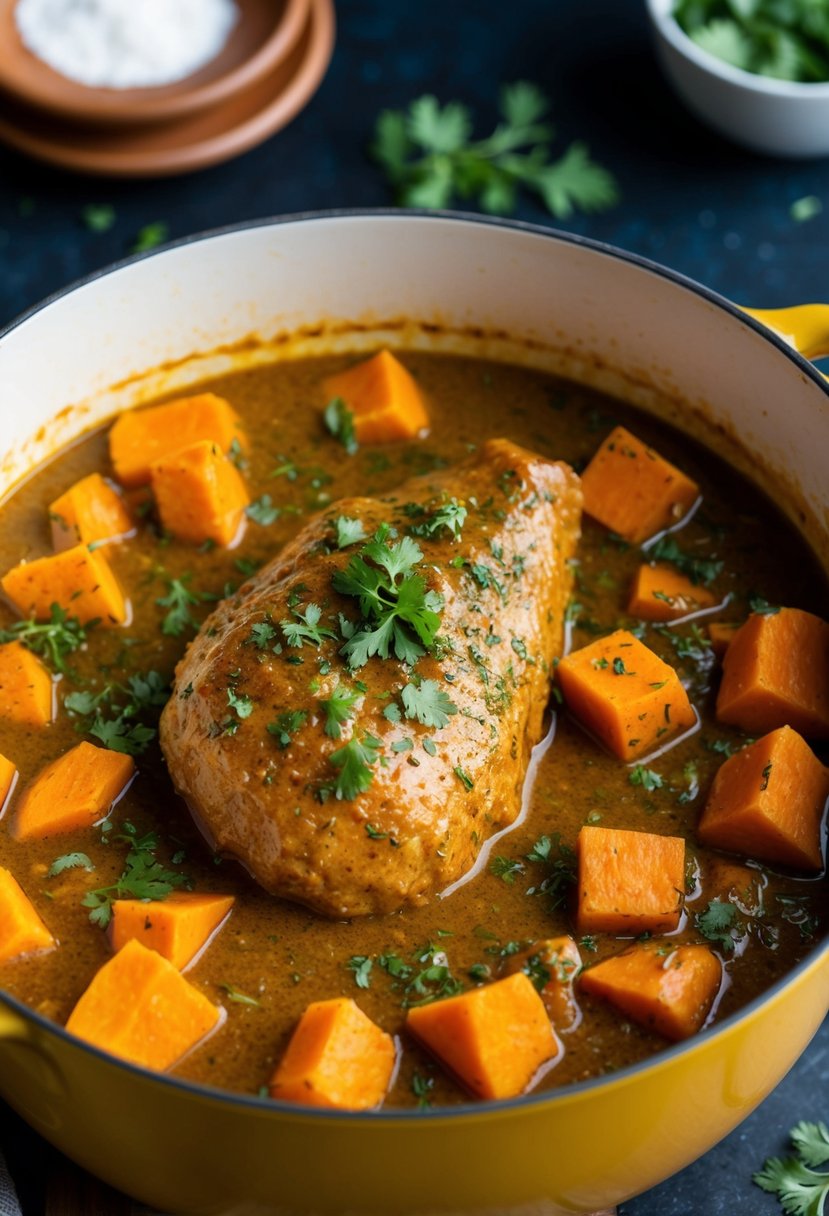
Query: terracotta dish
(193, 140)
(264, 35)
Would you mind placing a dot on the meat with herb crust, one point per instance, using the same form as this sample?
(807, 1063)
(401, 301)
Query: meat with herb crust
(356, 721)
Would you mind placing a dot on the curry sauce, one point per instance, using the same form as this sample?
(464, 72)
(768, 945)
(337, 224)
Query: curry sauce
(272, 958)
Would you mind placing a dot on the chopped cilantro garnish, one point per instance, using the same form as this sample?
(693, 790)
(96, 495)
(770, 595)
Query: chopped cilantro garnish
(398, 614)
(360, 966)
(306, 628)
(69, 861)
(114, 714)
(648, 778)
(98, 217)
(717, 922)
(240, 702)
(263, 511)
(53, 640)
(150, 236)
(349, 531)
(463, 776)
(450, 515)
(427, 703)
(179, 600)
(699, 570)
(339, 707)
(354, 762)
(144, 877)
(339, 420)
(506, 868)
(286, 724)
(238, 997)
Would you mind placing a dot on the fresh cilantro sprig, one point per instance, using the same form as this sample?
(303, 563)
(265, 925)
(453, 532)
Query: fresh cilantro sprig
(800, 1187)
(398, 614)
(339, 420)
(429, 157)
(52, 640)
(349, 531)
(783, 39)
(449, 515)
(115, 714)
(144, 877)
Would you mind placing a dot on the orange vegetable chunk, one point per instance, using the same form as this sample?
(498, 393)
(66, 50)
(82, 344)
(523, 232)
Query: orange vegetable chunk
(74, 791)
(177, 927)
(767, 801)
(200, 494)
(384, 398)
(337, 1057)
(21, 929)
(660, 593)
(624, 694)
(8, 778)
(77, 580)
(90, 511)
(663, 988)
(629, 882)
(776, 673)
(633, 490)
(554, 964)
(139, 438)
(26, 695)
(494, 1039)
(139, 1007)
(720, 635)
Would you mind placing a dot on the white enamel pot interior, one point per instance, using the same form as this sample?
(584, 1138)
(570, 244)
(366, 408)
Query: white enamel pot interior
(349, 281)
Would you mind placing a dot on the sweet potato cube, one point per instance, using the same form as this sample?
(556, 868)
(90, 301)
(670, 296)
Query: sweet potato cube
(633, 490)
(624, 694)
(721, 635)
(89, 512)
(384, 398)
(77, 580)
(660, 593)
(552, 966)
(776, 673)
(8, 780)
(494, 1039)
(629, 882)
(337, 1057)
(178, 927)
(26, 695)
(141, 1008)
(767, 801)
(200, 494)
(665, 988)
(141, 437)
(21, 929)
(74, 791)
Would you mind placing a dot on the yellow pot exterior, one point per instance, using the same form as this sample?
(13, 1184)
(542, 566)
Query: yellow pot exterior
(506, 291)
(186, 1150)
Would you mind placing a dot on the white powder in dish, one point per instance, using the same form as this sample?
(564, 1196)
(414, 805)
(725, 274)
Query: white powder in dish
(125, 44)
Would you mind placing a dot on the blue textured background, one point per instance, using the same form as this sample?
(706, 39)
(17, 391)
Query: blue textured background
(690, 200)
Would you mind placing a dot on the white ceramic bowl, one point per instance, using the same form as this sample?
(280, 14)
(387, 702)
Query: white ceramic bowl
(779, 117)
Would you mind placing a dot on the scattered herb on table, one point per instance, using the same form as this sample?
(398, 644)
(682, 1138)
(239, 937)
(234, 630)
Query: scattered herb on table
(150, 236)
(801, 1188)
(430, 157)
(783, 39)
(98, 217)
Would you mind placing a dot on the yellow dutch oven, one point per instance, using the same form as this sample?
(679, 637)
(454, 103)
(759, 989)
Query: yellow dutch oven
(313, 284)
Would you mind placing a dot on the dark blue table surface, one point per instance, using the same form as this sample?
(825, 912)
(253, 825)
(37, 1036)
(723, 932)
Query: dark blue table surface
(689, 199)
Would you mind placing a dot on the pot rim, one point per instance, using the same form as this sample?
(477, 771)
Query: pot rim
(670, 1053)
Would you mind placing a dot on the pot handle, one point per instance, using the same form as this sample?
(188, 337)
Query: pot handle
(805, 326)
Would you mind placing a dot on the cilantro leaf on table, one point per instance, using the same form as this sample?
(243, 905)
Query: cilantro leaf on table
(800, 1187)
(53, 640)
(398, 614)
(98, 217)
(143, 877)
(150, 236)
(430, 157)
(427, 702)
